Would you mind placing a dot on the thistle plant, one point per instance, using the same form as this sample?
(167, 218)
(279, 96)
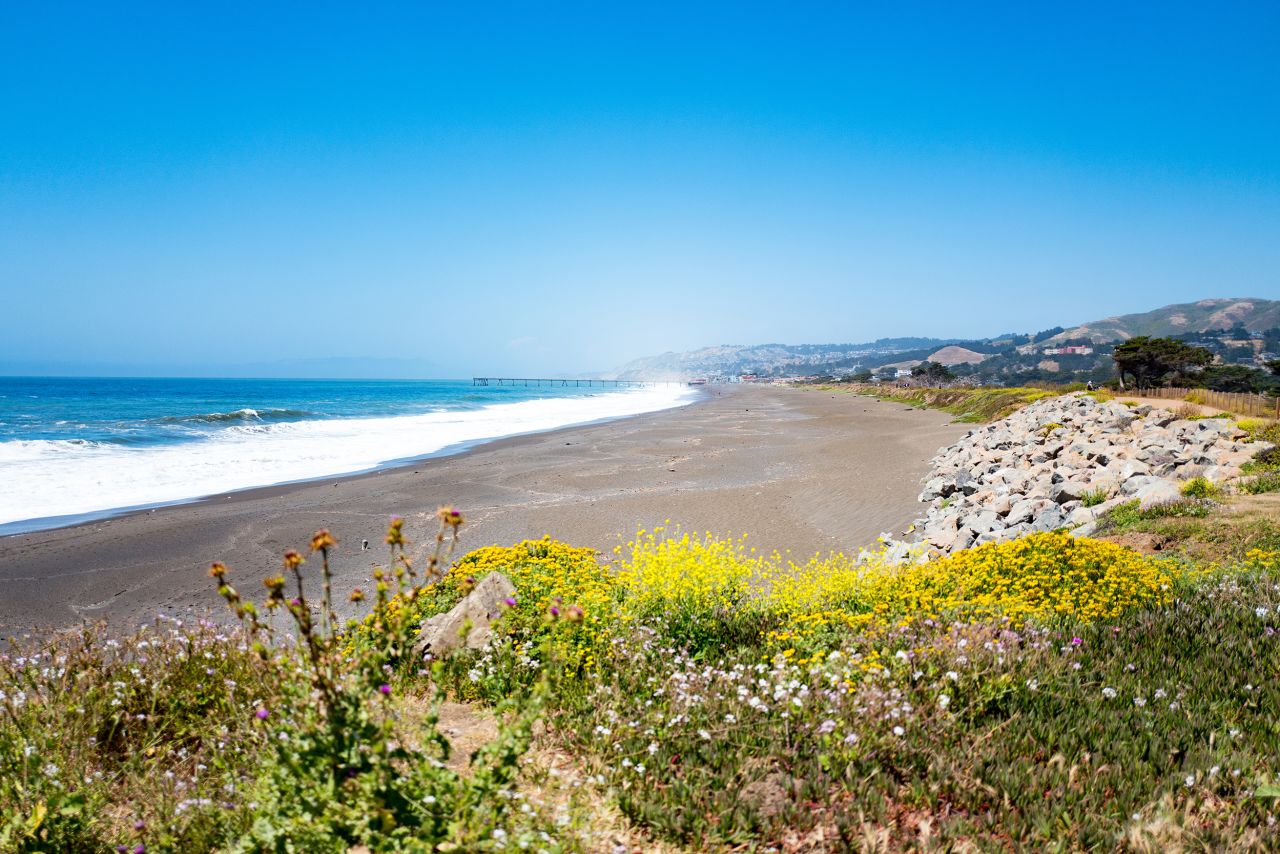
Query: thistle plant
(348, 767)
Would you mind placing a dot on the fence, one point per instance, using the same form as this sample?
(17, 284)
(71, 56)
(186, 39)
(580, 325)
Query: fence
(1255, 405)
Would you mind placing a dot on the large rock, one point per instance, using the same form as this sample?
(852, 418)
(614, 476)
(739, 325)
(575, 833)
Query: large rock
(1157, 492)
(1050, 519)
(474, 615)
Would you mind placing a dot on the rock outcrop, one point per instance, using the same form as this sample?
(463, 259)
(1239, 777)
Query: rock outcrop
(1038, 469)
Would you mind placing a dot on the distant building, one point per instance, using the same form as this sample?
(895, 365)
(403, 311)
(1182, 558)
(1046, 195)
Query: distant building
(903, 372)
(1074, 350)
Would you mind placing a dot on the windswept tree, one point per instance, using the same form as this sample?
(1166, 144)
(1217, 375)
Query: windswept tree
(933, 372)
(1150, 360)
(1274, 367)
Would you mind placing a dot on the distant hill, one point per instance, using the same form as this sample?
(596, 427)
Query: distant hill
(770, 359)
(1013, 357)
(957, 356)
(1255, 315)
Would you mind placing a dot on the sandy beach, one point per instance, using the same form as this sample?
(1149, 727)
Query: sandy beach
(799, 470)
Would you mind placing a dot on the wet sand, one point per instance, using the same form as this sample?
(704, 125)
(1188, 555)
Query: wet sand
(799, 470)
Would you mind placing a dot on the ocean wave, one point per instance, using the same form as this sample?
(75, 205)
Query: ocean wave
(42, 478)
(238, 416)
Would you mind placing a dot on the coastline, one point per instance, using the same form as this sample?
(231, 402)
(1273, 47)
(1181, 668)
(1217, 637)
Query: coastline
(109, 466)
(798, 470)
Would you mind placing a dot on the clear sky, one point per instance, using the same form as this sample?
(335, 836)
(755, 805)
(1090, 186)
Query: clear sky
(464, 188)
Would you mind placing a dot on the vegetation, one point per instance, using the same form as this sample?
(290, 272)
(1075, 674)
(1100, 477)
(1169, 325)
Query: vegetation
(1265, 482)
(1094, 497)
(1150, 360)
(1130, 515)
(969, 405)
(1046, 693)
(1233, 378)
(933, 372)
(1201, 487)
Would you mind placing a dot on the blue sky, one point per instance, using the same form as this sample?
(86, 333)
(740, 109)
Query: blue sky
(533, 188)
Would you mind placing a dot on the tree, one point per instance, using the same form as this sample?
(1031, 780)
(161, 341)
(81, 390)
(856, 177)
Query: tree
(1233, 378)
(1150, 360)
(933, 372)
(1047, 333)
(1274, 367)
(861, 377)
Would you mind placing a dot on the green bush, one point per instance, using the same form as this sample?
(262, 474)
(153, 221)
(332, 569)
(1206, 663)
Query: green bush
(1266, 482)
(1094, 497)
(1265, 460)
(1201, 487)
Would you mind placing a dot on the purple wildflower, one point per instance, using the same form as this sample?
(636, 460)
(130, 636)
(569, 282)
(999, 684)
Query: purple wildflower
(385, 689)
(262, 714)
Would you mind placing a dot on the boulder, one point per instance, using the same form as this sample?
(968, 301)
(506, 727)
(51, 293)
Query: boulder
(1021, 511)
(1157, 492)
(1081, 516)
(1049, 519)
(477, 610)
(1070, 490)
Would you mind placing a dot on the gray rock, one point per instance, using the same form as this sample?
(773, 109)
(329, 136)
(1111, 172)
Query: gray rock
(479, 608)
(1049, 519)
(1157, 492)
(1081, 516)
(1068, 491)
(1021, 511)
(1132, 485)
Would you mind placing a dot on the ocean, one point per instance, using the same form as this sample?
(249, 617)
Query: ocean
(75, 449)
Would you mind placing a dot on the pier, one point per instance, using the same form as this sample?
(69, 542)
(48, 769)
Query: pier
(564, 383)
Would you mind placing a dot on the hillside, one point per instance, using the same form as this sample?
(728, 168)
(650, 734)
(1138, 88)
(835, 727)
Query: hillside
(953, 355)
(1203, 316)
(768, 359)
(1011, 358)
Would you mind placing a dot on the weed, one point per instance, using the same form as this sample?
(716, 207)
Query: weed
(1094, 497)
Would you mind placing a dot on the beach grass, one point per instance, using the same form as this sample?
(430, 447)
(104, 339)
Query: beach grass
(969, 405)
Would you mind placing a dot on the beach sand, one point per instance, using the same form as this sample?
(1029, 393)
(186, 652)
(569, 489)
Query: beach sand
(796, 469)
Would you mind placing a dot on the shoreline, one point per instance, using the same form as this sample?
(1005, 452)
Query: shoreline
(76, 520)
(797, 470)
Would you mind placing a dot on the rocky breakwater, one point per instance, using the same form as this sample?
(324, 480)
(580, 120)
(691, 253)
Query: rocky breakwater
(1064, 461)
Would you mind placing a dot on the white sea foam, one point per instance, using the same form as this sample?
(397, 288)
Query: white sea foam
(40, 479)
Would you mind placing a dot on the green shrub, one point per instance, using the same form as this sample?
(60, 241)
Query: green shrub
(1201, 487)
(1094, 497)
(1265, 460)
(1266, 482)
